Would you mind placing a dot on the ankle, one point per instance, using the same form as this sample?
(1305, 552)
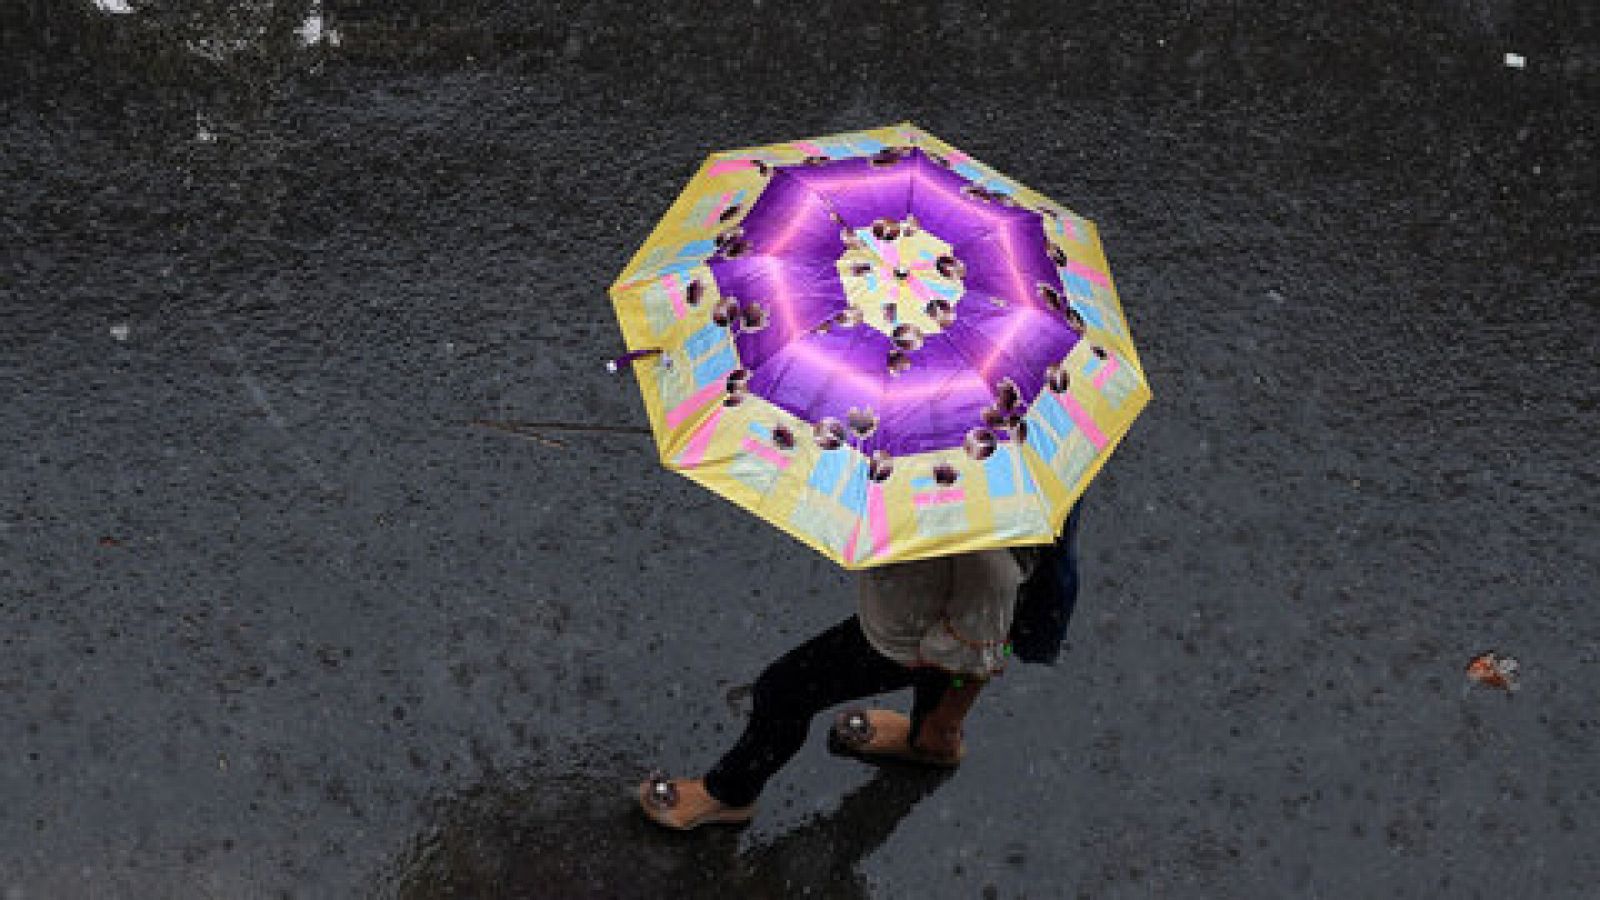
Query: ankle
(938, 741)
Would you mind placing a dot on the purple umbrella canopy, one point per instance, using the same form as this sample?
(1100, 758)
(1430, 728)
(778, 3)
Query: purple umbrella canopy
(879, 304)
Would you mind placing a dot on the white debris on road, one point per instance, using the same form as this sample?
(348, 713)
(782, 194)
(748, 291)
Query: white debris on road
(120, 331)
(114, 6)
(312, 31)
(1516, 60)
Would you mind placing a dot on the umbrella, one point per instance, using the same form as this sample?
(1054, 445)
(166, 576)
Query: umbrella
(880, 345)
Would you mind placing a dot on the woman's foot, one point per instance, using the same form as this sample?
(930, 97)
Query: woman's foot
(884, 734)
(683, 803)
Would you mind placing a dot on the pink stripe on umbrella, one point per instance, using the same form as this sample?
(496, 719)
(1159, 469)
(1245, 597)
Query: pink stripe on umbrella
(1080, 418)
(922, 291)
(889, 252)
(724, 166)
(770, 454)
(696, 450)
(674, 287)
(878, 518)
(1107, 369)
(939, 498)
(891, 255)
(1083, 271)
(717, 208)
(876, 521)
(680, 413)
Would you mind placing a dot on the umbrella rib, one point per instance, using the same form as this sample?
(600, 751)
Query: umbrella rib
(784, 172)
(1040, 499)
(994, 392)
(799, 333)
(985, 229)
(781, 261)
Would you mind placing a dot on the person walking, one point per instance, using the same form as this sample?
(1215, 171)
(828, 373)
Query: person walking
(938, 626)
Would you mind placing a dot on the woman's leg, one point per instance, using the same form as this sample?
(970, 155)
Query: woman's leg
(938, 729)
(831, 668)
(929, 686)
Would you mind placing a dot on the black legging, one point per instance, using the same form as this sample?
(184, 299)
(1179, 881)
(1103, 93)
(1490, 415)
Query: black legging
(831, 668)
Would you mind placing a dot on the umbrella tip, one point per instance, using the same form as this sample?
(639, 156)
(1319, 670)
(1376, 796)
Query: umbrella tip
(627, 359)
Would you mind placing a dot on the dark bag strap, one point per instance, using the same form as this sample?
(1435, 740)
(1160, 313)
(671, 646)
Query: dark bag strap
(1047, 596)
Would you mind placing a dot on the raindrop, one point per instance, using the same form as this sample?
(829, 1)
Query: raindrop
(310, 30)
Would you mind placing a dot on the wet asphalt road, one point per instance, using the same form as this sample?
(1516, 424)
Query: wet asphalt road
(276, 620)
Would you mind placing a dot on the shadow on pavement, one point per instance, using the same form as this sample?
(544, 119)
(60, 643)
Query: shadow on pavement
(581, 835)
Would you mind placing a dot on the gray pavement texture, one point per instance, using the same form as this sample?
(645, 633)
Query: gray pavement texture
(275, 620)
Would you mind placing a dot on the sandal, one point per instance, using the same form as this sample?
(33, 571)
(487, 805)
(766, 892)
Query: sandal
(878, 734)
(661, 799)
